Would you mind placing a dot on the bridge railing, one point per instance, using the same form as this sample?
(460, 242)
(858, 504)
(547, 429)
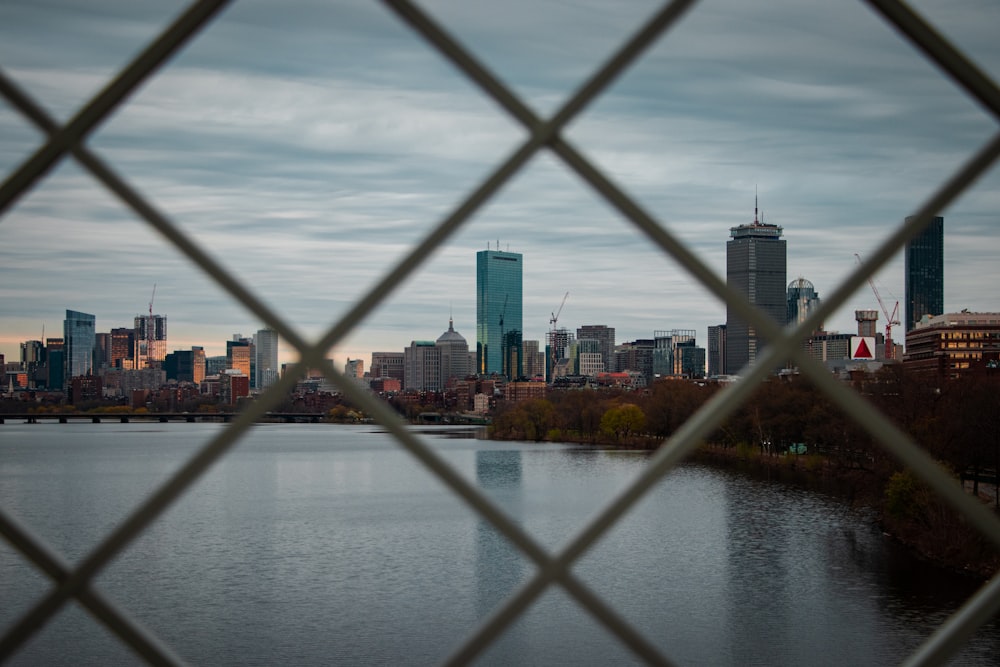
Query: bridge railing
(68, 140)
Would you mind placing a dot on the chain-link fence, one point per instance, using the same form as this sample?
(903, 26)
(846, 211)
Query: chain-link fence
(65, 140)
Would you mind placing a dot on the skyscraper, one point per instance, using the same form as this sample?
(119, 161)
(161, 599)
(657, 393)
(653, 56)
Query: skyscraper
(150, 340)
(717, 350)
(266, 367)
(756, 268)
(79, 336)
(499, 326)
(802, 300)
(924, 266)
(454, 354)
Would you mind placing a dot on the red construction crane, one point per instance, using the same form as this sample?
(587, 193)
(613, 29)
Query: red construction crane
(890, 319)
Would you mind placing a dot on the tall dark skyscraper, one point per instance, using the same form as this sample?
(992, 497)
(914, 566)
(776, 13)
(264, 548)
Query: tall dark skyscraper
(499, 325)
(924, 267)
(79, 336)
(756, 259)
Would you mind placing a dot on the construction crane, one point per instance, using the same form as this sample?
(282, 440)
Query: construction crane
(554, 320)
(890, 319)
(555, 316)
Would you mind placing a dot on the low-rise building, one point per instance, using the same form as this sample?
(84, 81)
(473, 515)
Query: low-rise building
(954, 344)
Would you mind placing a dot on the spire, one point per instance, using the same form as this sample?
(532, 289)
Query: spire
(755, 220)
(451, 326)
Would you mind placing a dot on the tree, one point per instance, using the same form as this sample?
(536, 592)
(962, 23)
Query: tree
(621, 421)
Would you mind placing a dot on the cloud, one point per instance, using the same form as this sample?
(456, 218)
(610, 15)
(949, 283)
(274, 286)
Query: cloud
(308, 146)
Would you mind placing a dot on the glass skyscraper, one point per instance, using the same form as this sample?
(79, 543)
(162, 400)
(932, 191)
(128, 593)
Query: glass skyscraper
(499, 325)
(924, 268)
(79, 338)
(756, 259)
(802, 300)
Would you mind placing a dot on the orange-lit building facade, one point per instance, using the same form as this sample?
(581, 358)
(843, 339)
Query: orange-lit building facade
(954, 345)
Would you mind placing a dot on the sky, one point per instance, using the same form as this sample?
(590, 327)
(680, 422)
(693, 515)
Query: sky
(307, 145)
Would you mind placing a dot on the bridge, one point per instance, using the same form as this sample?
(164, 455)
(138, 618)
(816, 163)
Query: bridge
(160, 417)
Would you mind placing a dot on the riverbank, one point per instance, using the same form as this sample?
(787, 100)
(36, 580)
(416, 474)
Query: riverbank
(907, 511)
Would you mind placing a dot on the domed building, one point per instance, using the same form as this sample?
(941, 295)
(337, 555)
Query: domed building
(455, 360)
(802, 300)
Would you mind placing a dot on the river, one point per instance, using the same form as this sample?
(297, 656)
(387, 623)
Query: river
(315, 544)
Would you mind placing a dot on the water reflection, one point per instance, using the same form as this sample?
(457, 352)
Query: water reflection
(500, 566)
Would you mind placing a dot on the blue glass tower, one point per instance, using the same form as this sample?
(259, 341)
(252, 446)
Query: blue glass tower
(80, 336)
(499, 324)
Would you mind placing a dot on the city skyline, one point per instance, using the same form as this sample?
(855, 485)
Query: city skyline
(366, 138)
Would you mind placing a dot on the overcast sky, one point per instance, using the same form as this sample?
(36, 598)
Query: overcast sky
(306, 145)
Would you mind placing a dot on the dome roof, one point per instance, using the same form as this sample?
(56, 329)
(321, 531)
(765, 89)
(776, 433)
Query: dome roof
(451, 336)
(801, 283)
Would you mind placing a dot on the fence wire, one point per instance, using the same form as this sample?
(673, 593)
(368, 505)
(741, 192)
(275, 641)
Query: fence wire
(76, 583)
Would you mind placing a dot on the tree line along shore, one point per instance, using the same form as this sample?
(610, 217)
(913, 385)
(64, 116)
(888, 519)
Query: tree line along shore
(790, 430)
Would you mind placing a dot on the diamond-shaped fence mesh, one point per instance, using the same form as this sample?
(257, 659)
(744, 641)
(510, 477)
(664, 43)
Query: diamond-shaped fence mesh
(544, 134)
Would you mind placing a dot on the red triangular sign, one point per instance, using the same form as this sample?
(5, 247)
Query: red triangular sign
(863, 352)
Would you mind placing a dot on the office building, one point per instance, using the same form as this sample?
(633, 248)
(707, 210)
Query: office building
(802, 300)
(238, 355)
(179, 365)
(387, 365)
(79, 336)
(454, 352)
(354, 368)
(33, 363)
(55, 359)
(422, 366)
(954, 345)
(534, 359)
(756, 269)
(923, 263)
(122, 348)
(150, 340)
(605, 336)
(636, 356)
(499, 326)
(266, 367)
(668, 359)
(716, 351)
(199, 361)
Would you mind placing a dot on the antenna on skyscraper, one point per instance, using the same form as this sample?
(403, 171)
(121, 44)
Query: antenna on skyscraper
(755, 221)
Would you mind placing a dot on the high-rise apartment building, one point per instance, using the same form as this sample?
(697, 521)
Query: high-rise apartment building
(924, 268)
(266, 366)
(499, 325)
(79, 335)
(756, 268)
